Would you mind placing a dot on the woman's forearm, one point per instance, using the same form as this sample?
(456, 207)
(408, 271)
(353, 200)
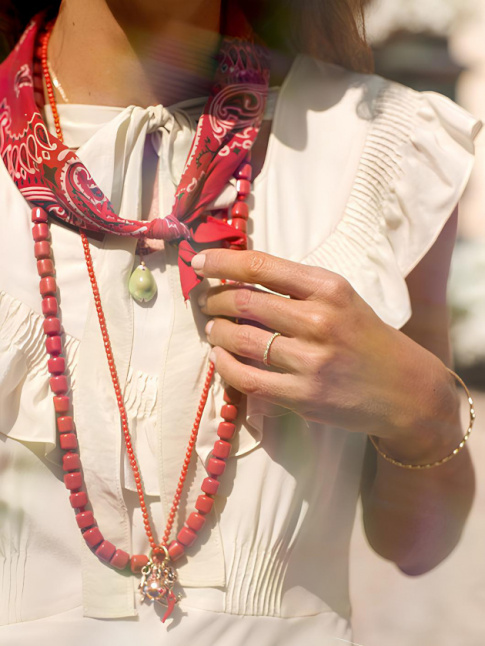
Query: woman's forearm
(415, 518)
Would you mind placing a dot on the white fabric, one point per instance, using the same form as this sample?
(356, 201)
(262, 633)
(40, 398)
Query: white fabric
(360, 176)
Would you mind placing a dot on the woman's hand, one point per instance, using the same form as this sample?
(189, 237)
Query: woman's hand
(335, 362)
(338, 363)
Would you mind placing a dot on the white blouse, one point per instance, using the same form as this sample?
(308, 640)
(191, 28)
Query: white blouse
(360, 176)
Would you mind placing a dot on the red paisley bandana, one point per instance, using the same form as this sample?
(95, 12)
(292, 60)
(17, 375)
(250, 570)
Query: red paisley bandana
(51, 176)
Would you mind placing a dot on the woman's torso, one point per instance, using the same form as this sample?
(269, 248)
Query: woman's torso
(277, 552)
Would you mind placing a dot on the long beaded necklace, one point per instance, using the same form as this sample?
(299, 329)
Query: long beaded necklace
(158, 575)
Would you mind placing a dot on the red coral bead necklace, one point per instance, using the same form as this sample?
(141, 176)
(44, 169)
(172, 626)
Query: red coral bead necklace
(158, 573)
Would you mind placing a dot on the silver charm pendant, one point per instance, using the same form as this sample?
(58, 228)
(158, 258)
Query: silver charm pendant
(157, 583)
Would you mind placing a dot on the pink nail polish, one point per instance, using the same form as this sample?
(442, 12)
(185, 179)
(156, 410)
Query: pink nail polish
(209, 327)
(198, 262)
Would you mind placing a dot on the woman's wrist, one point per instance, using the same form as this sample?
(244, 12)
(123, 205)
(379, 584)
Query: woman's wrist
(433, 429)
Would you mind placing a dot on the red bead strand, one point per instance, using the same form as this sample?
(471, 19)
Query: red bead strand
(48, 83)
(188, 455)
(105, 550)
(116, 384)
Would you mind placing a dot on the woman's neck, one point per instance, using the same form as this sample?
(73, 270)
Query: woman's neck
(141, 52)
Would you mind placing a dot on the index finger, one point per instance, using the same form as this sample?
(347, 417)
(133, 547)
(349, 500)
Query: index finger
(257, 268)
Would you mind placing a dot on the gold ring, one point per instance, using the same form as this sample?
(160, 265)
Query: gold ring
(268, 348)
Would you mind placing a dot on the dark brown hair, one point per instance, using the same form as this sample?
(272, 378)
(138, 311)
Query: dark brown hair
(332, 30)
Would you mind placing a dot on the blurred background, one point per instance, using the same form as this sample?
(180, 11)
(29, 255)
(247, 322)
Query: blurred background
(438, 45)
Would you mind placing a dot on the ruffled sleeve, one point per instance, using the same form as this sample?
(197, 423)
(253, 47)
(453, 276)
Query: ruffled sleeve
(414, 167)
(434, 166)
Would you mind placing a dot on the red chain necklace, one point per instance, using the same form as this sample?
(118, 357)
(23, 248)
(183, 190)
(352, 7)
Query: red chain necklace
(158, 573)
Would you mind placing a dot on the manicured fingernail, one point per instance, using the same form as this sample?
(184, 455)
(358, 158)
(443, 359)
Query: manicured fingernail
(202, 300)
(212, 357)
(209, 327)
(198, 262)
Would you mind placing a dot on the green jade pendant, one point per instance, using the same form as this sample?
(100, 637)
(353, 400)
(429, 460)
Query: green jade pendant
(142, 285)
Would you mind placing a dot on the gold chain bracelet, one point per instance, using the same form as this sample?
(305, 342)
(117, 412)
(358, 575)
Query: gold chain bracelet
(447, 458)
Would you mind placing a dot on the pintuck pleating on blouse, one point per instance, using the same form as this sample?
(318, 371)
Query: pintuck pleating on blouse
(359, 178)
(413, 170)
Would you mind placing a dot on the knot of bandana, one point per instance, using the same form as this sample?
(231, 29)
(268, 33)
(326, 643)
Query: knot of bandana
(51, 176)
(169, 229)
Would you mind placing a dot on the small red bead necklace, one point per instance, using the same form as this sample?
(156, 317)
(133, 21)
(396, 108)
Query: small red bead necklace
(158, 573)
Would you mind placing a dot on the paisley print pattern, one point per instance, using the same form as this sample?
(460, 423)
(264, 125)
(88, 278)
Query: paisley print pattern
(50, 175)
